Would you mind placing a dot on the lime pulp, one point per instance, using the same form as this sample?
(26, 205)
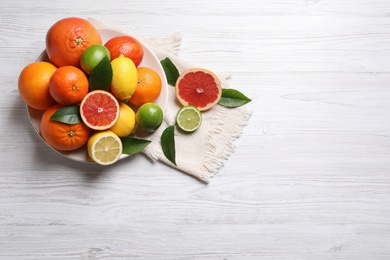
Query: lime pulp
(189, 118)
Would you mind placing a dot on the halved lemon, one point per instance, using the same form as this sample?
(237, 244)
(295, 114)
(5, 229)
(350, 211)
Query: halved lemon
(105, 147)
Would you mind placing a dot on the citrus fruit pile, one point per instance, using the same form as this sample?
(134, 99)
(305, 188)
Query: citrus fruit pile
(91, 93)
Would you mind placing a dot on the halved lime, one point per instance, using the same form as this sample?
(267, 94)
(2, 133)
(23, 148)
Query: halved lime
(189, 118)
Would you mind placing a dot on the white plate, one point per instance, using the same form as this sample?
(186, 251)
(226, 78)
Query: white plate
(149, 60)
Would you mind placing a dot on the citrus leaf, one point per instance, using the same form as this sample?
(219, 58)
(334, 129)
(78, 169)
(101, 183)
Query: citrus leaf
(101, 75)
(133, 145)
(168, 143)
(233, 98)
(69, 115)
(170, 70)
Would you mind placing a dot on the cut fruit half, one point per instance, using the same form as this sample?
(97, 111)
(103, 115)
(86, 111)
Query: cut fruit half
(198, 87)
(99, 110)
(104, 147)
(189, 118)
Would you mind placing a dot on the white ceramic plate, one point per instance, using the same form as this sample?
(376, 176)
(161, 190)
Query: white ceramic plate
(149, 60)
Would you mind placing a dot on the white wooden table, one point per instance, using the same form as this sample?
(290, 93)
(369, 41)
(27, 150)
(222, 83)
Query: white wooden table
(310, 177)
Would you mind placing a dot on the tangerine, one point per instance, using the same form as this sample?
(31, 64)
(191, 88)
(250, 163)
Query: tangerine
(67, 39)
(148, 88)
(61, 136)
(198, 87)
(126, 45)
(33, 85)
(68, 85)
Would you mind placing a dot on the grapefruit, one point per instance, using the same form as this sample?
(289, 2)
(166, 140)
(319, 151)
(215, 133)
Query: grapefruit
(99, 110)
(67, 39)
(198, 87)
(126, 45)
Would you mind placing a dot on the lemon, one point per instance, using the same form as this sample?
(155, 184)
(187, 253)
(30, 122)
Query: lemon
(126, 122)
(189, 118)
(104, 147)
(124, 77)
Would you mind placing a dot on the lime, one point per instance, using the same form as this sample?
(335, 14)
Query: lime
(188, 118)
(149, 117)
(92, 56)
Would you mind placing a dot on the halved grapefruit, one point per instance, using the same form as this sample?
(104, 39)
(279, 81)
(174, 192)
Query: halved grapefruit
(198, 87)
(99, 110)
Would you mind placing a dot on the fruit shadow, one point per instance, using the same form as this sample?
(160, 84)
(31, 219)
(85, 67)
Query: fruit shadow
(43, 154)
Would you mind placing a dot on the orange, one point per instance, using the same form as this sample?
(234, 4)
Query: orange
(67, 39)
(33, 85)
(61, 136)
(68, 85)
(99, 110)
(126, 45)
(148, 88)
(198, 87)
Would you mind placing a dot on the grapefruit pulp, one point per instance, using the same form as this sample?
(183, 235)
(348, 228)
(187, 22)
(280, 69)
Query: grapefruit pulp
(99, 110)
(198, 87)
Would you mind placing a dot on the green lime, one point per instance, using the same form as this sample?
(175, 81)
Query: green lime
(149, 117)
(188, 118)
(92, 56)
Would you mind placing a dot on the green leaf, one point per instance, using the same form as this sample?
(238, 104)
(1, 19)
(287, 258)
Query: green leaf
(101, 75)
(69, 115)
(233, 98)
(133, 145)
(170, 70)
(168, 143)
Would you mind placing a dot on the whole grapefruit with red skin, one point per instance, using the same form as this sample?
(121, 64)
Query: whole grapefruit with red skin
(126, 45)
(67, 39)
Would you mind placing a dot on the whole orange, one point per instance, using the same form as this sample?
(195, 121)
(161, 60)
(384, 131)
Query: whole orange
(148, 88)
(126, 45)
(33, 85)
(61, 136)
(67, 39)
(68, 85)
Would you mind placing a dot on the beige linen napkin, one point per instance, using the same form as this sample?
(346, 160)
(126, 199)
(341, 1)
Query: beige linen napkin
(203, 152)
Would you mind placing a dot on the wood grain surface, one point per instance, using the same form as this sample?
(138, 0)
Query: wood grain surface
(310, 176)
